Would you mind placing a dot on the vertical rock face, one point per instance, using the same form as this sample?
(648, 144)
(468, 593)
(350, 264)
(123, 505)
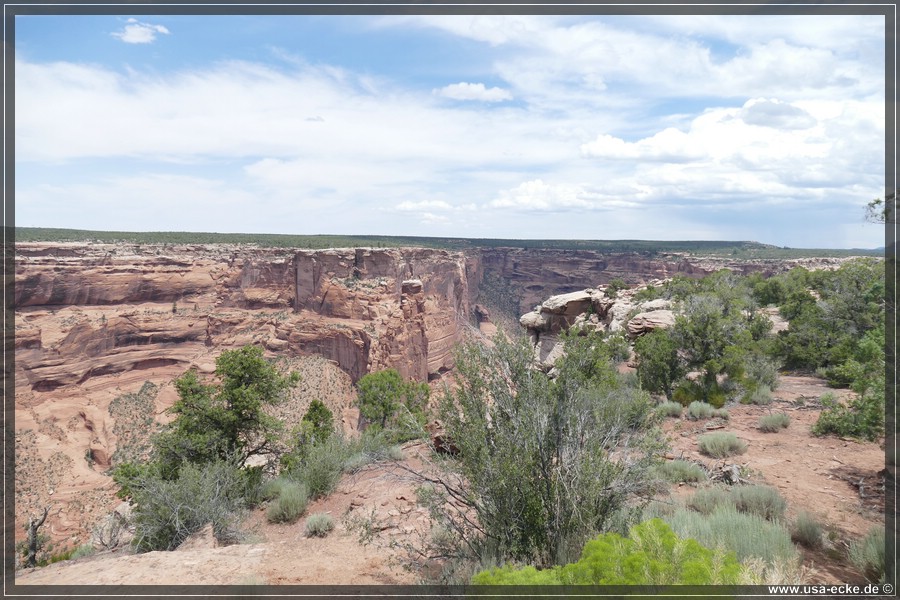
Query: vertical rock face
(95, 322)
(414, 302)
(533, 274)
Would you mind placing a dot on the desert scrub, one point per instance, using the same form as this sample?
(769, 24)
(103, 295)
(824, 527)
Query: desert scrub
(83, 550)
(678, 471)
(697, 410)
(707, 500)
(759, 500)
(773, 422)
(652, 554)
(318, 525)
(289, 504)
(862, 417)
(806, 530)
(721, 445)
(761, 396)
(670, 409)
(747, 535)
(867, 554)
(272, 488)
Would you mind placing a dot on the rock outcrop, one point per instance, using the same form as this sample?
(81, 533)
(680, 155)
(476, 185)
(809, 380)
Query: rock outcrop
(591, 309)
(646, 322)
(95, 322)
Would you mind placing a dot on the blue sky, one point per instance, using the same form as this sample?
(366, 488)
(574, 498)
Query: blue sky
(765, 128)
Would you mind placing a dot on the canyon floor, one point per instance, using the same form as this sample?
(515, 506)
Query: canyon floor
(838, 480)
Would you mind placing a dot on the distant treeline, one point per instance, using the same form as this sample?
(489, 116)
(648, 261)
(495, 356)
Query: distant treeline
(742, 250)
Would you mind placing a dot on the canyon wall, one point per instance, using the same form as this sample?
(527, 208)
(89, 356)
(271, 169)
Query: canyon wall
(97, 322)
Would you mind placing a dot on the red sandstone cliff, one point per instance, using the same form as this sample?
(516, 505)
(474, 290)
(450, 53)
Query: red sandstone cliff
(94, 322)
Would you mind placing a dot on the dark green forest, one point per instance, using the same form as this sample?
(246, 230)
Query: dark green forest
(736, 249)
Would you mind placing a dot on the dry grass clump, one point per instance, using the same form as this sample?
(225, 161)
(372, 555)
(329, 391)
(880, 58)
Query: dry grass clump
(678, 471)
(290, 502)
(806, 530)
(760, 500)
(670, 409)
(707, 500)
(773, 422)
(721, 445)
(318, 525)
(697, 410)
(867, 554)
(761, 396)
(747, 535)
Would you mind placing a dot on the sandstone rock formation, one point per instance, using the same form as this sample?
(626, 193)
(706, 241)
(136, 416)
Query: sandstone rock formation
(646, 322)
(96, 322)
(591, 309)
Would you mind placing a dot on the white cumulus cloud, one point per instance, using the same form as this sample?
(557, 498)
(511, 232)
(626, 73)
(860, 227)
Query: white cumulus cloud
(424, 205)
(136, 32)
(537, 195)
(473, 91)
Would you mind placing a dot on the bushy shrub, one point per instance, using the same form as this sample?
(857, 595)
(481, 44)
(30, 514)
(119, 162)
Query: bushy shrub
(747, 535)
(773, 422)
(168, 511)
(761, 396)
(619, 349)
(371, 447)
(699, 410)
(394, 404)
(614, 286)
(760, 500)
(83, 550)
(321, 467)
(706, 501)
(659, 365)
(318, 525)
(867, 554)
(670, 409)
(721, 413)
(272, 488)
(721, 445)
(862, 417)
(678, 471)
(807, 530)
(651, 555)
(289, 504)
(535, 453)
(647, 293)
(761, 372)
(319, 421)
(687, 392)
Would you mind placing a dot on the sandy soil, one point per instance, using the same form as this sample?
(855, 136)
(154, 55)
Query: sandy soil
(819, 475)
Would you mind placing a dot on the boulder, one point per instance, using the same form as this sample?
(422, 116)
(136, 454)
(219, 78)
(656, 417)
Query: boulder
(648, 321)
(617, 313)
(658, 304)
(535, 321)
(571, 304)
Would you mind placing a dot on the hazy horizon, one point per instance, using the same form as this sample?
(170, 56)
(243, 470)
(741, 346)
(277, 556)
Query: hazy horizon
(669, 128)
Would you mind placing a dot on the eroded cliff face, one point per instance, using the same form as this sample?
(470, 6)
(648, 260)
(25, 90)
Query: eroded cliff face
(414, 303)
(533, 275)
(96, 322)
